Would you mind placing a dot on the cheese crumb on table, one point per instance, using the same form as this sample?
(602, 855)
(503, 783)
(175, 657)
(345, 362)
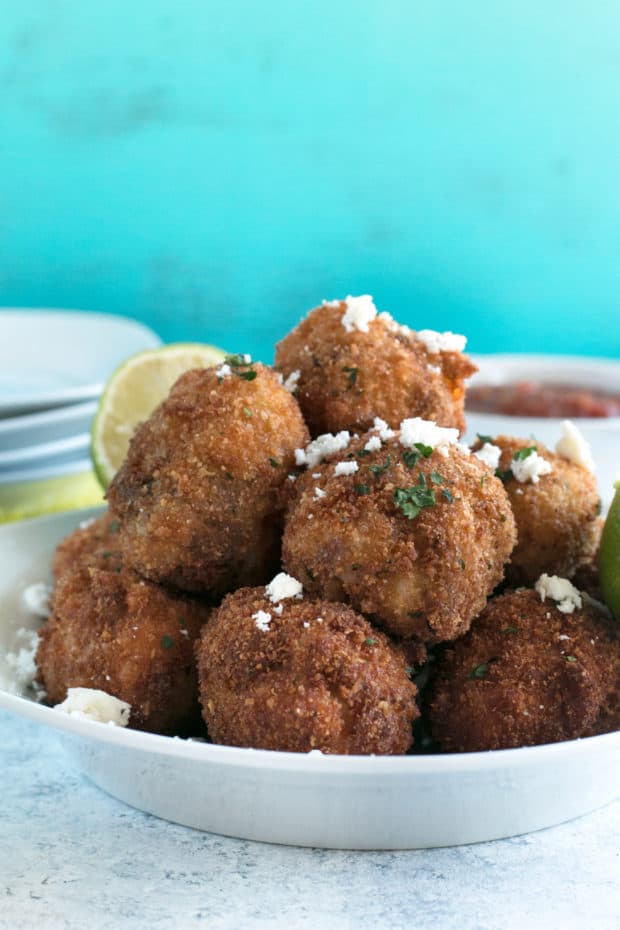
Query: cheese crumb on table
(91, 704)
(574, 446)
(36, 599)
(560, 590)
(283, 586)
(441, 342)
(360, 311)
(21, 666)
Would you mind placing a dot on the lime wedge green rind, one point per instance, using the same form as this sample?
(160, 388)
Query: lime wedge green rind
(609, 558)
(134, 390)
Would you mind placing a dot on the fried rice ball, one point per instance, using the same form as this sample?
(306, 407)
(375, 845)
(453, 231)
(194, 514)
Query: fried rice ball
(115, 632)
(526, 673)
(302, 675)
(199, 495)
(556, 516)
(417, 540)
(95, 541)
(348, 374)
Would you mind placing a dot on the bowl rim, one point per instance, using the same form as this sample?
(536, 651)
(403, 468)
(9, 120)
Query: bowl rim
(554, 362)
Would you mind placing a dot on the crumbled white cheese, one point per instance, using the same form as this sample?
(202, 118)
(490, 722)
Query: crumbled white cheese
(247, 359)
(574, 446)
(262, 619)
(345, 468)
(36, 599)
(319, 494)
(224, 371)
(306, 625)
(316, 474)
(414, 430)
(84, 524)
(292, 477)
(21, 665)
(278, 610)
(392, 325)
(560, 590)
(91, 704)
(283, 586)
(291, 382)
(360, 311)
(490, 455)
(327, 303)
(381, 427)
(321, 447)
(532, 468)
(441, 342)
(373, 444)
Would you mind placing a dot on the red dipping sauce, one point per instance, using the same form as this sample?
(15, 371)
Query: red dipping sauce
(540, 399)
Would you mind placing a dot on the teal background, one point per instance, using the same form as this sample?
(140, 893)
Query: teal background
(216, 168)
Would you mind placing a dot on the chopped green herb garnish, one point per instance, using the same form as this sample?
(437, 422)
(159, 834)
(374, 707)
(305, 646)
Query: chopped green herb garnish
(237, 360)
(106, 555)
(447, 494)
(503, 475)
(274, 462)
(424, 450)
(524, 453)
(362, 489)
(248, 375)
(309, 573)
(167, 641)
(247, 412)
(484, 439)
(483, 480)
(479, 671)
(369, 641)
(115, 526)
(363, 453)
(510, 629)
(355, 566)
(570, 658)
(411, 458)
(182, 623)
(352, 374)
(436, 477)
(412, 500)
(379, 470)
(461, 564)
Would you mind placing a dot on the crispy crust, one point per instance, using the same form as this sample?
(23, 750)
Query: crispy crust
(123, 635)
(347, 379)
(198, 496)
(549, 676)
(557, 518)
(337, 685)
(425, 577)
(96, 542)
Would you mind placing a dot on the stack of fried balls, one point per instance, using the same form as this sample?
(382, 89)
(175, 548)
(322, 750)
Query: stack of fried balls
(306, 557)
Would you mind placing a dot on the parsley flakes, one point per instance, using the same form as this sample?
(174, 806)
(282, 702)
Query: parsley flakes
(414, 499)
(166, 641)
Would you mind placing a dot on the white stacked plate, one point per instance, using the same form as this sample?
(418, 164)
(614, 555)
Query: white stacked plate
(53, 366)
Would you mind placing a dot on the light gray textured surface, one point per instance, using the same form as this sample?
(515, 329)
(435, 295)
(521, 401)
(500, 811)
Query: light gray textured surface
(71, 857)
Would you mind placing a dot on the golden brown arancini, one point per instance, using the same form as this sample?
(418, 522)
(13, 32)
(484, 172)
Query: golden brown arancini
(348, 376)
(93, 540)
(556, 516)
(315, 675)
(414, 538)
(199, 495)
(113, 631)
(525, 674)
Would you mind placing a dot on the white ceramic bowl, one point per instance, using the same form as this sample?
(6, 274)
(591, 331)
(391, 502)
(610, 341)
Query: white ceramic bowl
(49, 426)
(603, 434)
(354, 802)
(53, 357)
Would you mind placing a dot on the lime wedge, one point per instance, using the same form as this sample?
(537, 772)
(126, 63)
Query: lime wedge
(609, 559)
(135, 389)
